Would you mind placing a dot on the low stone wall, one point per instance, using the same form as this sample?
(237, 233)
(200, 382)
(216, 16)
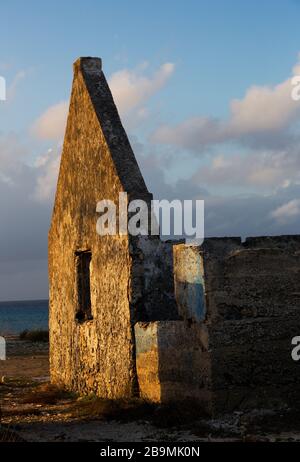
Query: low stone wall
(252, 365)
(252, 302)
(173, 361)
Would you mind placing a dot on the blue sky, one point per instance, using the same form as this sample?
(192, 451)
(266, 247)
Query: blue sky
(203, 91)
(220, 47)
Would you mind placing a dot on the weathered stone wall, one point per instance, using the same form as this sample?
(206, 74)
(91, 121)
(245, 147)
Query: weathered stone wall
(213, 323)
(96, 355)
(254, 304)
(153, 274)
(97, 163)
(173, 362)
(252, 301)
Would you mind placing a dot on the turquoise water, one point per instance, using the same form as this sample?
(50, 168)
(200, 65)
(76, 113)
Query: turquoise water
(18, 316)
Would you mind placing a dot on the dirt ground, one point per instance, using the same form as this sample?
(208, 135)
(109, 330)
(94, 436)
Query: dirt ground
(32, 410)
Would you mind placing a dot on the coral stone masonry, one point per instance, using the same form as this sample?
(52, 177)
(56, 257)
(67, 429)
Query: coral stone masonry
(137, 316)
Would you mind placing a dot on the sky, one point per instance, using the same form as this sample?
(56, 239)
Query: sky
(203, 88)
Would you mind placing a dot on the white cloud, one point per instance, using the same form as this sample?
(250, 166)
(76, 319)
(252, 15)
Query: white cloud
(194, 134)
(132, 88)
(37, 181)
(287, 212)
(261, 169)
(12, 158)
(263, 112)
(52, 123)
(239, 214)
(264, 109)
(12, 88)
(47, 172)
(23, 218)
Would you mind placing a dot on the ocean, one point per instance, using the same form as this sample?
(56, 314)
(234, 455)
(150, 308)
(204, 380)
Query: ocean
(21, 315)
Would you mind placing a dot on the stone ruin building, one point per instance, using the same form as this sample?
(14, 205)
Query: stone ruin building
(136, 316)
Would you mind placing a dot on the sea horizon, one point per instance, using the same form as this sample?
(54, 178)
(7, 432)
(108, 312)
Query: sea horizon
(19, 315)
(25, 300)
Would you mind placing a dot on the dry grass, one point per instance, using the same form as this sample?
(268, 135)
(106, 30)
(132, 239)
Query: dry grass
(35, 336)
(163, 416)
(19, 382)
(106, 409)
(91, 407)
(22, 412)
(46, 394)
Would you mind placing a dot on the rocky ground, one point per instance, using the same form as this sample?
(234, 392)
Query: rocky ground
(33, 410)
